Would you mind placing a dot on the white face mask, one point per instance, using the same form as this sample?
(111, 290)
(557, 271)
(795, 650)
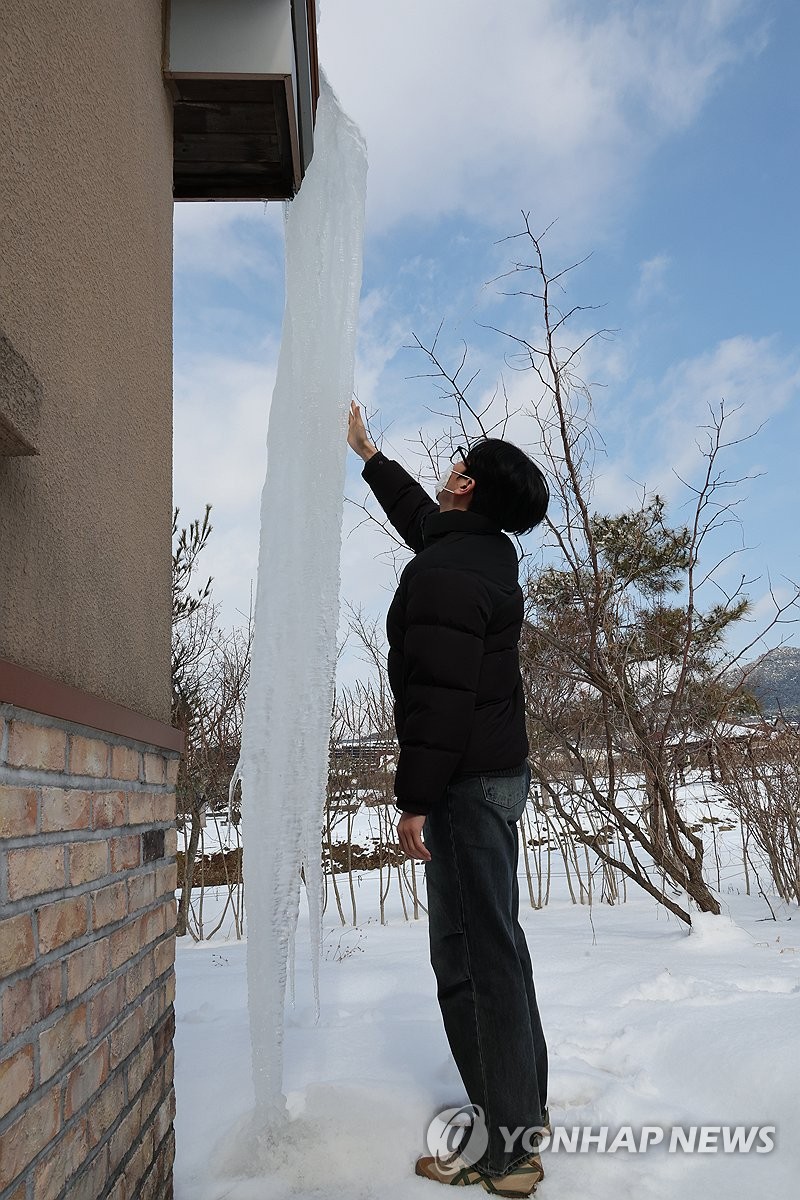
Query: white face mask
(444, 479)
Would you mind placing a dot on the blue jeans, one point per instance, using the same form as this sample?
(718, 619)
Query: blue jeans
(480, 957)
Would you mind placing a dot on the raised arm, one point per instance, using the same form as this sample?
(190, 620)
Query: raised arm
(404, 501)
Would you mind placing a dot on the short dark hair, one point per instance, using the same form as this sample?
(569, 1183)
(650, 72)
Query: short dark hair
(509, 487)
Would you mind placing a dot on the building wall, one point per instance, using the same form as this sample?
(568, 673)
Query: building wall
(85, 324)
(87, 947)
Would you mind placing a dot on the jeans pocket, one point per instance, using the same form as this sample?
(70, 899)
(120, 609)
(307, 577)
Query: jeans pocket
(507, 792)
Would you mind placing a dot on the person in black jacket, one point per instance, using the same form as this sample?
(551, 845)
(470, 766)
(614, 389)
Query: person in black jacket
(462, 780)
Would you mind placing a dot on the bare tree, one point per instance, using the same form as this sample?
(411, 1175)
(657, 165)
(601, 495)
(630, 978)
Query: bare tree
(210, 673)
(624, 658)
(761, 782)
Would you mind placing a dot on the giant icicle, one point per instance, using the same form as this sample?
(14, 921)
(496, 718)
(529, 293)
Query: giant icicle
(284, 757)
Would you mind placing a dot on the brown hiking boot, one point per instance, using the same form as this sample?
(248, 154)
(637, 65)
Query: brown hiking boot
(521, 1180)
(454, 1171)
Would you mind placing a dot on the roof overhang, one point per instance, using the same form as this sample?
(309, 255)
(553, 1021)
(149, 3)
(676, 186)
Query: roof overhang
(244, 77)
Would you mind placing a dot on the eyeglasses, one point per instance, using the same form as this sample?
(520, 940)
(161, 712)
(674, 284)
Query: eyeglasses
(460, 454)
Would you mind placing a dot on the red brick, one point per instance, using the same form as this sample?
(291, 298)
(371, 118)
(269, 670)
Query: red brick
(65, 808)
(167, 1156)
(164, 1034)
(140, 976)
(30, 1000)
(169, 909)
(17, 812)
(152, 1094)
(139, 1068)
(109, 904)
(61, 922)
(125, 763)
(170, 914)
(35, 870)
(126, 1037)
(16, 1079)
(139, 1163)
(170, 989)
(152, 1007)
(126, 942)
(164, 807)
(29, 1134)
(125, 1136)
(170, 843)
(106, 1106)
(125, 853)
(149, 1186)
(141, 890)
(86, 967)
(62, 1161)
(90, 1182)
(85, 1080)
(87, 861)
(60, 1044)
(20, 1192)
(17, 949)
(119, 1190)
(105, 1007)
(167, 880)
(108, 810)
(153, 768)
(153, 925)
(37, 746)
(164, 1117)
(140, 808)
(88, 756)
(164, 955)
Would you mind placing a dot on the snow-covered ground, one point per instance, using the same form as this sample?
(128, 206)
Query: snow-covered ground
(647, 1024)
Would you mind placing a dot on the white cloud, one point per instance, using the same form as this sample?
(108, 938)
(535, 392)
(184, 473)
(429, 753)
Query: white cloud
(658, 433)
(479, 108)
(652, 279)
(229, 241)
(382, 333)
(220, 433)
(753, 378)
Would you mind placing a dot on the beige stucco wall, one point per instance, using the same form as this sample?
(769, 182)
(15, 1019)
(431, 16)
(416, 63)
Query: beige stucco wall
(85, 299)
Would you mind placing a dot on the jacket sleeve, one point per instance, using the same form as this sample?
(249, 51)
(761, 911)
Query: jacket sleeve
(448, 612)
(405, 502)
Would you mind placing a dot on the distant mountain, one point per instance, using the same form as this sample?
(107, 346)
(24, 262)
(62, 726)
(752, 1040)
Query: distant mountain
(774, 680)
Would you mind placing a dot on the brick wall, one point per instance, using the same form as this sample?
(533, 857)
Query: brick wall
(87, 948)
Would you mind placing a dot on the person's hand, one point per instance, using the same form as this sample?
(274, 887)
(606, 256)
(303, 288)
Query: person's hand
(357, 437)
(409, 831)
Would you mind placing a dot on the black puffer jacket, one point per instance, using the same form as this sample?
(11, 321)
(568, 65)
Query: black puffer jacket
(453, 629)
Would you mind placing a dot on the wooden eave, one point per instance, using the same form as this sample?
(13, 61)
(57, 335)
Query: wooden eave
(235, 138)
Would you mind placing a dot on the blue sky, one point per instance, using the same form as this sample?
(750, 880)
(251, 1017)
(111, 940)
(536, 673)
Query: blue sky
(661, 137)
